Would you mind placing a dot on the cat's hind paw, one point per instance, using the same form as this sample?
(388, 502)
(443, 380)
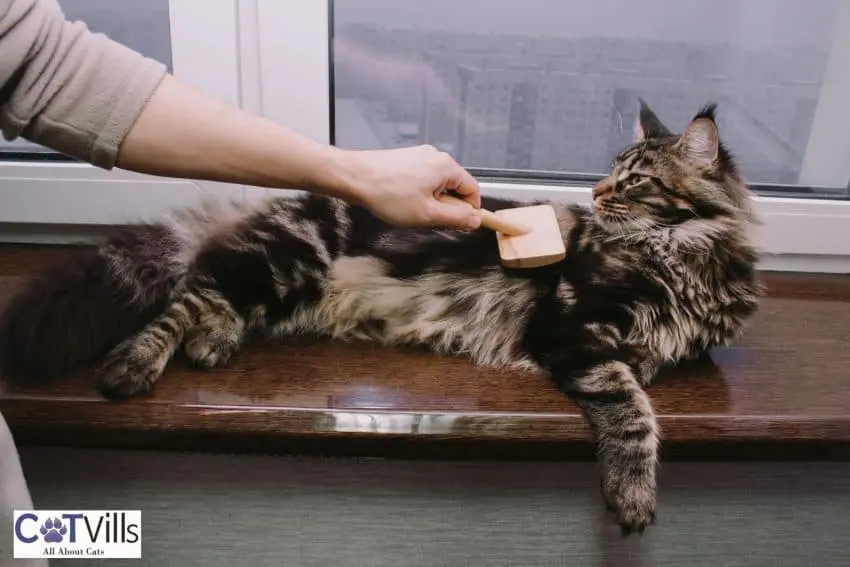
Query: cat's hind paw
(132, 368)
(212, 346)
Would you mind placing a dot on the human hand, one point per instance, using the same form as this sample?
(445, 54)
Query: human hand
(401, 186)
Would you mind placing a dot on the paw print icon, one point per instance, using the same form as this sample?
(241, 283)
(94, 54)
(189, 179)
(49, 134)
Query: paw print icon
(53, 529)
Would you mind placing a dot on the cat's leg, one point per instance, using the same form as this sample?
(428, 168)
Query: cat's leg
(217, 336)
(627, 434)
(134, 366)
(588, 358)
(584, 350)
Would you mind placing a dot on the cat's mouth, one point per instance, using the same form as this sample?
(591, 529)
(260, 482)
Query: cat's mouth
(614, 213)
(619, 220)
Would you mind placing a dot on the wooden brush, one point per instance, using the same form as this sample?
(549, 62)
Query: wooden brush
(528, 237)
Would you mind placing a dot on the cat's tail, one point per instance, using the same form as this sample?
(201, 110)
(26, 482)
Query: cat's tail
(73, 313)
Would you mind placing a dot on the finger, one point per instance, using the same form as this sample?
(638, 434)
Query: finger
(448, 215)
(466, 186)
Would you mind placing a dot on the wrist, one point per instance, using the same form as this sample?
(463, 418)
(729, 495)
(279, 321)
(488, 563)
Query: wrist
(346, 175)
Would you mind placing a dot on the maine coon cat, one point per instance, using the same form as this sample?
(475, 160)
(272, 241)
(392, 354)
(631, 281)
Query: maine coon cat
(660, 269)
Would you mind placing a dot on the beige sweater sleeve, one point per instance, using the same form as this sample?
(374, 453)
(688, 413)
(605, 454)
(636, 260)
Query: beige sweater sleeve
(65, 87)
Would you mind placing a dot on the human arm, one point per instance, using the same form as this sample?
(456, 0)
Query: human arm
(183, 132)
(91, 98)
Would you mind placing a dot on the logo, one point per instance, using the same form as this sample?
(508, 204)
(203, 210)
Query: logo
(77, 534)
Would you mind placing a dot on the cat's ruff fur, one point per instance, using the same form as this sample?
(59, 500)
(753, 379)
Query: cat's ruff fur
(660, 270)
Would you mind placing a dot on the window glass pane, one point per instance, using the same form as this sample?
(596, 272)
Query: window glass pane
(553, 85)
(140, 24)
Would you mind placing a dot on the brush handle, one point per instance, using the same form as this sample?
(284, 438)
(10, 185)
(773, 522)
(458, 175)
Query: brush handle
(489, 219)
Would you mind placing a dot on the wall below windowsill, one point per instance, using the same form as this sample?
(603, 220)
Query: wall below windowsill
(780, 393)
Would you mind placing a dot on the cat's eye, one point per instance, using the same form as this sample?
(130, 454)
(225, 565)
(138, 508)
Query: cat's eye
(635, 178)
(634, 185)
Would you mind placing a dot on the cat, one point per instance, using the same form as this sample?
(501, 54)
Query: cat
(658, 270)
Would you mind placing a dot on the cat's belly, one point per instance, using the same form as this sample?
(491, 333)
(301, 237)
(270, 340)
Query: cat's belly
(483, 317)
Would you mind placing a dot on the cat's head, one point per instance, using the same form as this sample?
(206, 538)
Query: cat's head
(685, 186)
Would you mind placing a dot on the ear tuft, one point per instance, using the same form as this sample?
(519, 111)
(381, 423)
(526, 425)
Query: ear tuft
(708, 111)
(700, 142)
(648, 125)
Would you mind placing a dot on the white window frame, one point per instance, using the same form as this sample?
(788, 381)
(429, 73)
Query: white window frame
(291, 84)
(205, 52)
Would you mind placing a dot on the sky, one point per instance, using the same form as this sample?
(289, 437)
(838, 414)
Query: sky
(744, 23)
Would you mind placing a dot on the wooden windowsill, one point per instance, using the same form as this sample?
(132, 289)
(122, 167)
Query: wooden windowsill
(782, 392)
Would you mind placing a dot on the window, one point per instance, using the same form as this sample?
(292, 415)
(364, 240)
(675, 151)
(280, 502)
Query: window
(198, 41)
(535, 96)
(553, 85)
(143, 26)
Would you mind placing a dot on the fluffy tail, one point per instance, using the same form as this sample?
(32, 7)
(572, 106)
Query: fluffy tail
(72, 314)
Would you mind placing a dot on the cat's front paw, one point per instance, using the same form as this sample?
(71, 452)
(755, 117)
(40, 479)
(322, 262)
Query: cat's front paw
(636, 509)
(132, 368)
(633, 502)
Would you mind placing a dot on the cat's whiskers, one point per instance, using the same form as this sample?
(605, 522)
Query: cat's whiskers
(627, 230)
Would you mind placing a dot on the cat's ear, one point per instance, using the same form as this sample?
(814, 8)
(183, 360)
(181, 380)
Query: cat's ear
(648, 125)
(700, 142)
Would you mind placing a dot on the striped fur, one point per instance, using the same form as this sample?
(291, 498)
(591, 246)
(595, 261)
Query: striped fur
(659, 270)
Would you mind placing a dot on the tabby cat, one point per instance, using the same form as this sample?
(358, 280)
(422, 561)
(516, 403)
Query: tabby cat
(660, 269)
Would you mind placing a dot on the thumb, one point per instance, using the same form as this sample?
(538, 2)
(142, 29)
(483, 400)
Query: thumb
(461, 217)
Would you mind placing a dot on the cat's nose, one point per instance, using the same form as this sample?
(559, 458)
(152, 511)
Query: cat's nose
(602, 188)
